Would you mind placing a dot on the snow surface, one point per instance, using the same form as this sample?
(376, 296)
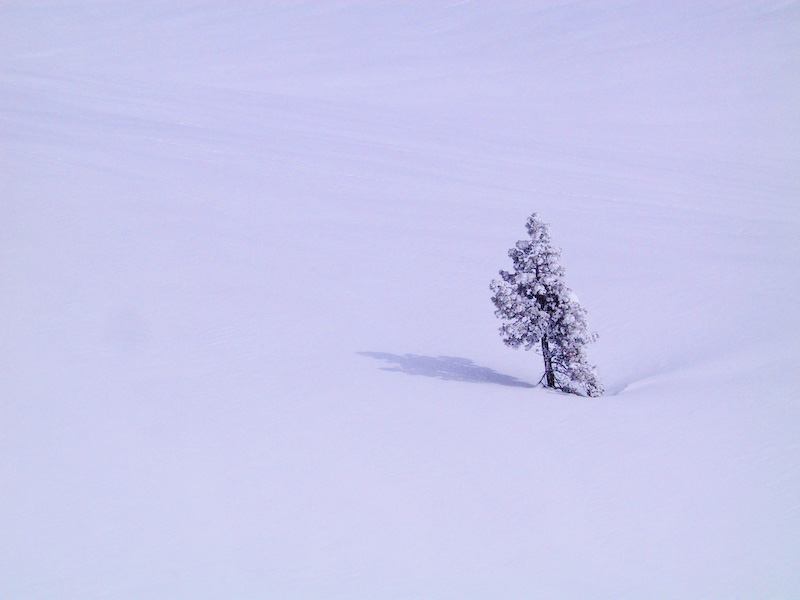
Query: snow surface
(246, 343)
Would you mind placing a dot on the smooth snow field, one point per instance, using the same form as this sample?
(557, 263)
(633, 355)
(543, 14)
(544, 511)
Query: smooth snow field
(247, 347)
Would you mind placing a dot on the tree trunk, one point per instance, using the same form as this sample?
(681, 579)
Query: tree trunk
(550, 377)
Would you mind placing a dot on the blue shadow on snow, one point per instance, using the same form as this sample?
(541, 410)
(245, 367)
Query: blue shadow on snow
(450, 368)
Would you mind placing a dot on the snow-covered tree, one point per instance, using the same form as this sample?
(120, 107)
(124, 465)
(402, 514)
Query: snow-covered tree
(542, 313)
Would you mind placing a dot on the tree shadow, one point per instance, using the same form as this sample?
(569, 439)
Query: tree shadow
(450, 368)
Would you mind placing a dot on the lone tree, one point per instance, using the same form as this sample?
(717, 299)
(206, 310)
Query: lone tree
(542, 312)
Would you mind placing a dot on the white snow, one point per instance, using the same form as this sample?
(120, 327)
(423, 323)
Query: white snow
(246, 343)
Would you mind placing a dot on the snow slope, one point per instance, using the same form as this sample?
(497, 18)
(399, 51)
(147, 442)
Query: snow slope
(246, 343)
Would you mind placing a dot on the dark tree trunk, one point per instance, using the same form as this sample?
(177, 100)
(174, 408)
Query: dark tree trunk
(549, 376)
